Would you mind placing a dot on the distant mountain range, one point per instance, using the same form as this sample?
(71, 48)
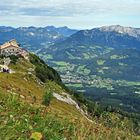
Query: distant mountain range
(114, 44)
(35, 36)
(114, 36)
(103, 63)
(65, 31)
(111, 36)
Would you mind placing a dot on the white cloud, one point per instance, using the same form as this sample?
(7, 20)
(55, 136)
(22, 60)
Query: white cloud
(70, 7)
(63, 10)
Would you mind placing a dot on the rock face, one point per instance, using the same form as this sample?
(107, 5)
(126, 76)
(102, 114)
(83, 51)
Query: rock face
(65, 97)
(134, 32)
(5, 66)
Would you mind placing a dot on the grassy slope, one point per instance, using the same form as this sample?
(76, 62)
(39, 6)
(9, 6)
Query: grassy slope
(20, 118)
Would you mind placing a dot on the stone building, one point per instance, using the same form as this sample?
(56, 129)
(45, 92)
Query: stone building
(12, 48)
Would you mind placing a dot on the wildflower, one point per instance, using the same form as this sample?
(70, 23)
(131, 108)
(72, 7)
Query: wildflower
(36, 136)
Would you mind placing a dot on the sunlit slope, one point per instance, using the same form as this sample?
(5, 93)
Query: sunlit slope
(23, 116)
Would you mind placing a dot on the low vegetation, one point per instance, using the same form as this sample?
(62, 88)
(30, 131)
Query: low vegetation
(20, 120)
(47, 98)
(44, 72)
(29, 111)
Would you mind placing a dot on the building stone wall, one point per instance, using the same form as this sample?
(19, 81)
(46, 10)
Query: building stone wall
(12, 48)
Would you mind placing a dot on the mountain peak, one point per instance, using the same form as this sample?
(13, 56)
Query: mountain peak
(115, 28)
(135, 32)
(51, 27)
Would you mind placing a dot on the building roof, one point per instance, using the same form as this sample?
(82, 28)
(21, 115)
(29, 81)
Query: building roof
(10, 43)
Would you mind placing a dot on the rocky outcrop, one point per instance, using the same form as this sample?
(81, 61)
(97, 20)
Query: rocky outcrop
(64, 97)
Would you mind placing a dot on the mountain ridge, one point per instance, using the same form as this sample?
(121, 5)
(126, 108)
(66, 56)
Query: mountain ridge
(65, 31)
(135, 32)
(104, 36)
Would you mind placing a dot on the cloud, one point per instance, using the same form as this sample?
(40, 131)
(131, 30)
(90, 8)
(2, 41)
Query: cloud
(49, 8)
(69, 10)
(68, 7)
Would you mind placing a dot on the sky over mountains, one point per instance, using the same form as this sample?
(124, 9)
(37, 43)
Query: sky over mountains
(76, 14)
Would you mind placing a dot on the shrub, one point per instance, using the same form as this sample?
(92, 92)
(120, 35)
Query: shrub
(47, 98)
(13, 59)
(43, 71)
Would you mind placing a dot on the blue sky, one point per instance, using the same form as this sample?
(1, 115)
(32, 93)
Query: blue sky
(80, 14)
